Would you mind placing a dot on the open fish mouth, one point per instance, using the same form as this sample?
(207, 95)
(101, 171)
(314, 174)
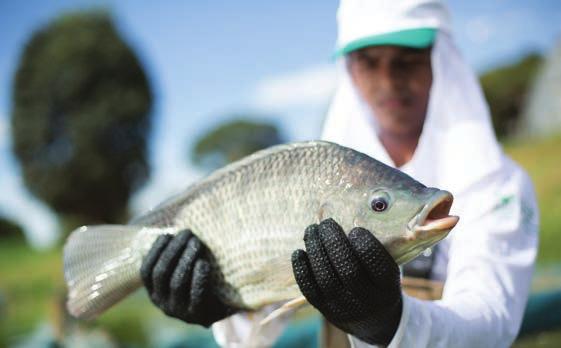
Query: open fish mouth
(431, 224)
(434, 219)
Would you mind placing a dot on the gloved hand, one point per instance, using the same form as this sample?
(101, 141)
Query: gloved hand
(176, 273)
(354, 282)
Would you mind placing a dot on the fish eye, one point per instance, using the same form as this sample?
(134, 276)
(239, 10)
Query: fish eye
(380, 202)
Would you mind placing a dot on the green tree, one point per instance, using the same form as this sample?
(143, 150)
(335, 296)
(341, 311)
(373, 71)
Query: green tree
(506, 88)
(232, 141)
(9, 230)
(80, 118)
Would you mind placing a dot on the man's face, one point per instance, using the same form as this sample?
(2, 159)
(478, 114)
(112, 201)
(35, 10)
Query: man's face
(395, 82)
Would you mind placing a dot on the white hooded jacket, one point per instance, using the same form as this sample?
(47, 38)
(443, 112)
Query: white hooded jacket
(487, 260)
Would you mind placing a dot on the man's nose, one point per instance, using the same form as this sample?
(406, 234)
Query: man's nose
(389, 76)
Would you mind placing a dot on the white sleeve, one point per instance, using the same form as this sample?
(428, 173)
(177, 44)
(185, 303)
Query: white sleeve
(240, 330)
(491, 261)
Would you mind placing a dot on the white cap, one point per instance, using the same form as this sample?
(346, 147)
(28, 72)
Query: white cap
(411, 23)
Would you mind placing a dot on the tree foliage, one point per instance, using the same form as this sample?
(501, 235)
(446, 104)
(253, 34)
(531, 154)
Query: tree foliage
(232, 141)
(9, 230)
(80, 118)
(506, 88)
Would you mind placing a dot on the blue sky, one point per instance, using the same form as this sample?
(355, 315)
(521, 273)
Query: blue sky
(208, 60)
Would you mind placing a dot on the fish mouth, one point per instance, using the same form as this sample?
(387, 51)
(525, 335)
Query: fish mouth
(431, 224)
(433, 220)
(434, 217)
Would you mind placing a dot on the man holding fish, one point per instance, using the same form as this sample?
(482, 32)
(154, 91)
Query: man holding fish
(406, 98)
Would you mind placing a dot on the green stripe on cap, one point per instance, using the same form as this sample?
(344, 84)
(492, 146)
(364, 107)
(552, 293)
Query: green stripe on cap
(415, 38)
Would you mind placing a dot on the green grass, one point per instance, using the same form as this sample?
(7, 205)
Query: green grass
(32, 285)
(29, 282)
(551, 339)
(542, 160)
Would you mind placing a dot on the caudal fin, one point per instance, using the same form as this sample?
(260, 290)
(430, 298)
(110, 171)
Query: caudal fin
(101, 266)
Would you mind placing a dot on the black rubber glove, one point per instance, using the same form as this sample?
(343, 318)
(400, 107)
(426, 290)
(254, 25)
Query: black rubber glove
(177, 274)
(354, 282)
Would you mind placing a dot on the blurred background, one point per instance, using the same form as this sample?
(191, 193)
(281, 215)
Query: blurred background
(109, 107)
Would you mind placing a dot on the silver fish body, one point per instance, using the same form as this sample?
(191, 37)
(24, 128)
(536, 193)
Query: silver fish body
(252, 215)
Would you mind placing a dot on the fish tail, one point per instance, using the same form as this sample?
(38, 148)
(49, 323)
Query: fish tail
(102, 266)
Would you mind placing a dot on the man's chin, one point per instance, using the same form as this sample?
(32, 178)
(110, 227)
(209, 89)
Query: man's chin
(398, 121)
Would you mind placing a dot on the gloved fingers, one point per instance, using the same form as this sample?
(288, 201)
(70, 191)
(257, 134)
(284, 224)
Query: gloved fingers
(167, 263)
(150, 260)
(183, 273)
(324, 273)
(342, 257)
(305, 279)
(332, 307)
(376, 260)
(204, 301)
(200, 286)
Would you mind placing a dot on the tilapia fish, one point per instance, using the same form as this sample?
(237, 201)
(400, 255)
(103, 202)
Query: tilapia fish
(252, 215)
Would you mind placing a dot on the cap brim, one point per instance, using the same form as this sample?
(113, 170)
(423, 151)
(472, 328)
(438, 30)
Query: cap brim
(414, 38)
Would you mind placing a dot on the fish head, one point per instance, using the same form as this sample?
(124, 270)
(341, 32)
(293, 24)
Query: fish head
(405, 215)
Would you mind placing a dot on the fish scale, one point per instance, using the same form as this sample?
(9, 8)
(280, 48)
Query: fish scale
(263, 235)
(252, 215)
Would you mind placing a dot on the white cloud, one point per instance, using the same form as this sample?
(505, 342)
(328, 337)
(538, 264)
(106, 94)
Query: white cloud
(307, 87)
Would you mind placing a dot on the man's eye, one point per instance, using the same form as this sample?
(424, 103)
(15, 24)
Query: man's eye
(366, 62)
(361, 59)
(412, 60)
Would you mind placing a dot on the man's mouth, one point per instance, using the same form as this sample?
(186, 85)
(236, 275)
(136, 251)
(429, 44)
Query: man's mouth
(393, 103)
(394, 100)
